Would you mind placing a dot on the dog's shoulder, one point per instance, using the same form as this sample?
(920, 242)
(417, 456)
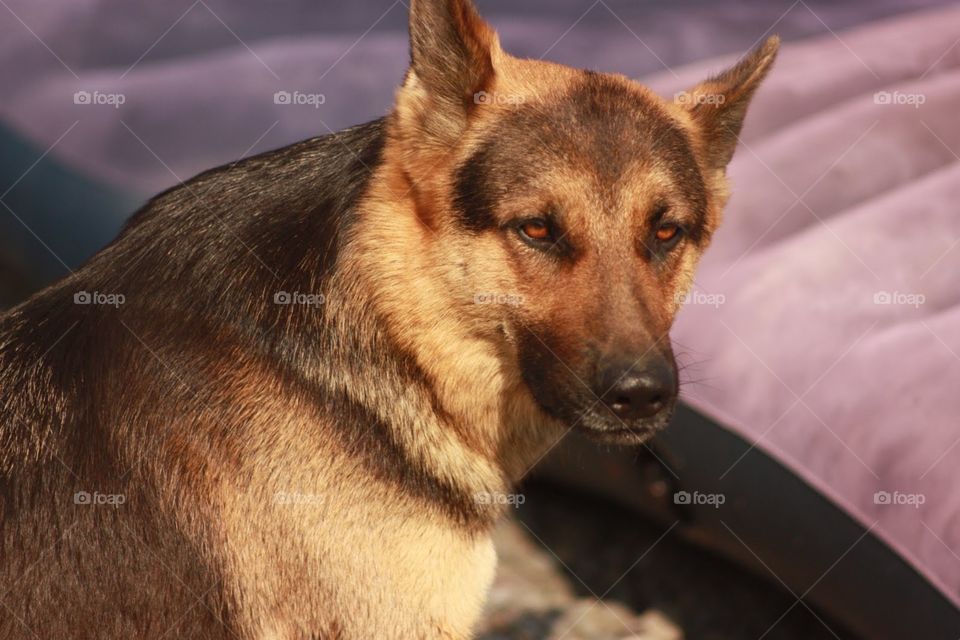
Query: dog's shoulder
(318, 177)
(206, 258)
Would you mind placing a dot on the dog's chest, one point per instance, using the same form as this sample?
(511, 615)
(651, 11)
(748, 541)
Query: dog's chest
(361, 571)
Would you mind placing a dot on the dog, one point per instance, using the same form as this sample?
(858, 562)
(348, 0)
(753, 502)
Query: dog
(291, 399)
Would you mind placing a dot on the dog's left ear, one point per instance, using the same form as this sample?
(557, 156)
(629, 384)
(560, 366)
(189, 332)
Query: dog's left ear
(718, 105)
(451, 60)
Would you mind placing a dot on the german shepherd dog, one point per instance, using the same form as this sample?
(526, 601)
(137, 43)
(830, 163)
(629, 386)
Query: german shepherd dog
(288, 400)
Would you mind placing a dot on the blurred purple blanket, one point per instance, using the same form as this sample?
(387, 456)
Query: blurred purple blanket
(825, 322)
(824, 325)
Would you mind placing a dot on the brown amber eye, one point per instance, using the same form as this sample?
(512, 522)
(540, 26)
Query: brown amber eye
(667, 232)
(536, 230)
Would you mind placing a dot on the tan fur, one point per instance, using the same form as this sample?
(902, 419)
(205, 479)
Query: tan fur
(382, 573)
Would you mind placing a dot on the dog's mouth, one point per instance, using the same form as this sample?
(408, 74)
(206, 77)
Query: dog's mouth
(602, 425)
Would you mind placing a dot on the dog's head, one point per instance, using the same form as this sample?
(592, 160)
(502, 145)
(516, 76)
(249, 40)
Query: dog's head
(568, 209)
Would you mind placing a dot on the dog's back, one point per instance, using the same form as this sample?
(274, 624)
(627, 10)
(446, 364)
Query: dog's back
(106, 455)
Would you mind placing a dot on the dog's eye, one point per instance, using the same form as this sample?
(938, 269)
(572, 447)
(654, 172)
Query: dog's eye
(668, 234)
(536, 230)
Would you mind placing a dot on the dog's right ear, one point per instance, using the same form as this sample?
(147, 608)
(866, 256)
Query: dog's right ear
(451, 60)
(719, 105)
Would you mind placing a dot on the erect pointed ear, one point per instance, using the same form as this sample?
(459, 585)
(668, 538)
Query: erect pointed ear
(451, 54)
(719, 104)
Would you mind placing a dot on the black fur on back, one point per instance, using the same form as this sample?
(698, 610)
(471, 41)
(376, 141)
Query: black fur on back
(199, 268)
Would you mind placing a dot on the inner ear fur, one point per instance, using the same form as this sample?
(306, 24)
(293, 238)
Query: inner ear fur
(451, 60)
(718, 105)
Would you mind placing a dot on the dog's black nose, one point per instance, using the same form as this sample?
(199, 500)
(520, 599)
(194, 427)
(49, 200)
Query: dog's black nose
(633, 390)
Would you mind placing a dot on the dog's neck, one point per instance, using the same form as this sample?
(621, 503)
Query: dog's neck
(453, 397)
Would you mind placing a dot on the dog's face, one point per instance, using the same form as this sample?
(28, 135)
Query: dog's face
(569, 210)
